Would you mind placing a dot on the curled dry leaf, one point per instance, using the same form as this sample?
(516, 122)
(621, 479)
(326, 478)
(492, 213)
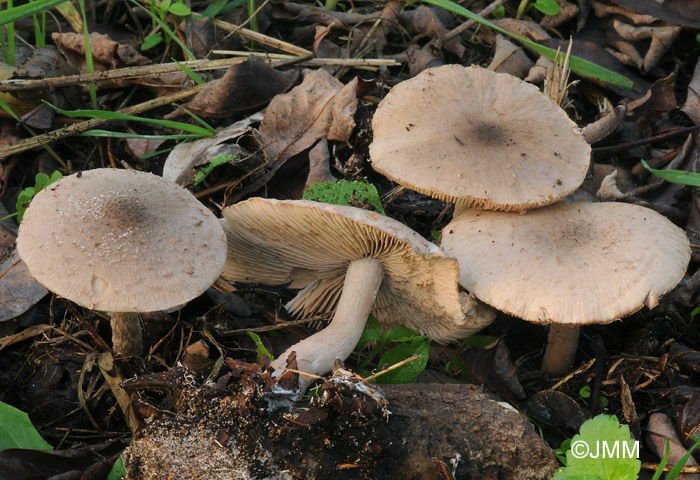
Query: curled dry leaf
(185, 157)
(321, 107)
(107, 54)
(567, 11)
(247, 86)
(605, 125)
(510, 58)
(18, 289)
(319, 164)
(688, 419)
(661, 428)
(685, 13)
(691, 107)
(433, 23)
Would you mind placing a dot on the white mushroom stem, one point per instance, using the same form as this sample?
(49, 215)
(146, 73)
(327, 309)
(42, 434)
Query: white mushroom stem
(317, 353)
(561, 348)
(127, 339)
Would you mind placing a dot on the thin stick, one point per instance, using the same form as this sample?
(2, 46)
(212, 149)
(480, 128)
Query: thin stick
(260, 38)
(277, 326)
(77, 128)
(393, 367)
(469, 23)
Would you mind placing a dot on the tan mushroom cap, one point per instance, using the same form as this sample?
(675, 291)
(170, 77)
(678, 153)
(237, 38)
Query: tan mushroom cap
(121, 241)
(479, 138)
(568, 263)
(309, 245)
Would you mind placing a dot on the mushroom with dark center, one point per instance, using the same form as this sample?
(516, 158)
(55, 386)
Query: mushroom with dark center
(124, 242)
(479, 139)
(351, 261)
(568, 264)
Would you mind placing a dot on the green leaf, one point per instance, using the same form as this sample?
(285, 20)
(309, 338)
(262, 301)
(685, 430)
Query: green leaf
(118, 471)
(151, 41)
(407, 373)
(179, 9)
(261, 348)
(481, 341)
(106, 115)
(17, 431)
(675, 176)
(213, 163)
(15, 13)
(548, 7)
(108, 133)
(402, 334)
(578, 65)
(500, 12)
(41, 180)
(603, 450)
(585, 392)
(345, 192)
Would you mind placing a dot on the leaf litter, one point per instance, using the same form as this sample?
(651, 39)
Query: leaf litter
(314, 125)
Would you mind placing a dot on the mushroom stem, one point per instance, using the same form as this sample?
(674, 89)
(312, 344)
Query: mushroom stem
(561, 348)
(127, 339)
(317, 353)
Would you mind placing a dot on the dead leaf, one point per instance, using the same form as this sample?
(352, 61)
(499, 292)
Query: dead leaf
(321, 107)
(491, 366)
(107, 54)
(567, 11)
(143, 146)
(18, 289)
(319, 164)
(674, 12)
(180, 165)
(688, 419)
(510, 58)
(691, 107)
(247, 86)
(433, 23)
(555, 409)
(659, 429)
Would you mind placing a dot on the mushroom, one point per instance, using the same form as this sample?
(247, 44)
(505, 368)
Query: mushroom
(478, 139)
(124, 242)
(351, 261)
(568, 264)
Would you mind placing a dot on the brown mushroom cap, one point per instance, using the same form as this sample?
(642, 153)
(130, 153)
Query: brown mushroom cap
(121, 241)
(479, 138)
(568, 263)
(309, 245)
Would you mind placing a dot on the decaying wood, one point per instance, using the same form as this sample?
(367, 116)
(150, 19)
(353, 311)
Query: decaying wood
(348, 431)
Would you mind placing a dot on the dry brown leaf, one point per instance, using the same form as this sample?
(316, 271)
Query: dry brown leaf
(567, 11)
(18, 289)
(321, 107)
(106, 53)
(433, 23)
(509, 58)
(661, 428)
(691, 107)
(247, 86)
(674, 12)
(319, 164)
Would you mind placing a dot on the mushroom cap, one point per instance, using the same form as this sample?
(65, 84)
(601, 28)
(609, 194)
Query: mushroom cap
(568, 263)
(309, 245)
(121, 241)
(479, 138)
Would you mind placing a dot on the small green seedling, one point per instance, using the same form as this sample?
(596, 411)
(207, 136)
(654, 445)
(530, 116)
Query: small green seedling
(345, 192)
(213, 163)
(261, 348)
(585, 393)
(409, 344)
(603, 450)
(41, 181)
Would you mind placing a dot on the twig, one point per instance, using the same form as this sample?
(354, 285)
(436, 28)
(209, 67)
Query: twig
(393, 367)
(667, 468)
(260, 38)
(78, 128)
(277, 326)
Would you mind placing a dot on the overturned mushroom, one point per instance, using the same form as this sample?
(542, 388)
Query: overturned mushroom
(351, 261)
(478, 139)
(124, 242)
(568, 264)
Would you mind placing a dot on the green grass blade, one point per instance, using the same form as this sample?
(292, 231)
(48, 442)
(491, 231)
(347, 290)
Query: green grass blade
(188, 71)
(106, 115)
(89, 66)
(108, 133)
(675, 176)
(15, 13)
(676, 470)
(578, 65)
